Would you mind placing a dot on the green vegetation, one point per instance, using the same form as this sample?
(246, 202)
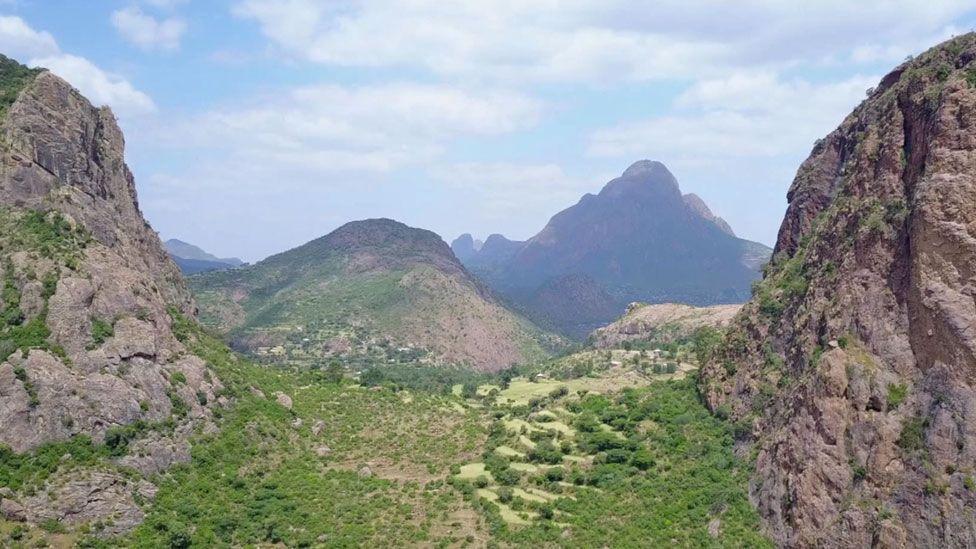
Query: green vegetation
(54, 238)
(13, 78)
(542, 462)
(29, 471)
(364, 301)
(896, 395)
(912, 437)
(100, 332)
(646, 466)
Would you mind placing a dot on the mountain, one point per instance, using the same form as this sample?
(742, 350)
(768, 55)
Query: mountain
(89, 361)
(369, 285)
(661, 323)
(191, 259)
(698, 205)
(853, 365)
(639, 239)
(466, 247)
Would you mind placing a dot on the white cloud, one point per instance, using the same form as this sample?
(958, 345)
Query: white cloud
(332, 128)
(508, 189)
(40, 49)
(746, 114)
(100, 87)
(591, 40)
(20, 41)
(146, 31)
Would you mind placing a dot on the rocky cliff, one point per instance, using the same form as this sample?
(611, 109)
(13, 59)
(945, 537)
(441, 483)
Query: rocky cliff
(86, 342)
(854, 364)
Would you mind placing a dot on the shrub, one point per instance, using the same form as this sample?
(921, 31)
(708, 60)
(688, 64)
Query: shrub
(546, 452)
(642, 459)
(555, 474)
(100, 332)
(912, 436)
(504, 494)
(897, 392)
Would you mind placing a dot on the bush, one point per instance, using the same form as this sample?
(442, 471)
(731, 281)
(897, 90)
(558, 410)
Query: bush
(505, 494)
(555, 474)
(616, 455)
(100, 332)
(912, 436)
(642, 459)
(896, 394)
(546, 452)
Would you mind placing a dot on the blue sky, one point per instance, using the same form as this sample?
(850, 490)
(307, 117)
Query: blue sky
(255, 125)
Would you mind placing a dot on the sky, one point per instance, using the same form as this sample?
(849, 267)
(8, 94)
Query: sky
(253, 126)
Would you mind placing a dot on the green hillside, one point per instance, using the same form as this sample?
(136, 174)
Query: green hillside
(372, 291)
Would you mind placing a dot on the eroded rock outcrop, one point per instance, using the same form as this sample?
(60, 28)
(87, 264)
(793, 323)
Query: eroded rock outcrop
(86, 342)
(854, 364)
(663, 322)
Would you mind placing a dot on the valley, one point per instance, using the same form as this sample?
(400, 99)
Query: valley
(535, 456)
(634, 374)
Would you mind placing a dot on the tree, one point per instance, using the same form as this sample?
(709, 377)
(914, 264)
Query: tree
(334, 372)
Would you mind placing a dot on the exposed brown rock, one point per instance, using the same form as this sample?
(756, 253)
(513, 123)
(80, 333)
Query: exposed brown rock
(661, 322)
(870, 441)
(62, 161)
(84, 497)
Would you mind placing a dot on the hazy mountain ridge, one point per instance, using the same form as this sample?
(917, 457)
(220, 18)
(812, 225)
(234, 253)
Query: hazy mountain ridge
(192, 259)
(639, 239)
(852, 367)
(359, 286)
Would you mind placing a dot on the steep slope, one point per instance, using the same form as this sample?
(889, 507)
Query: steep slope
(854, 363)
(662, 322)
(369, 284)
(639, 239)
(192, 259)
(698, 205)
(87, 350)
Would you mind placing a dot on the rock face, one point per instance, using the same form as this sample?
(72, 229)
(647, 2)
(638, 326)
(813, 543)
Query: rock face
(855, 362)
(698, 205)
(86, 340)
(367, 285)
(662, 322)
(639, 239)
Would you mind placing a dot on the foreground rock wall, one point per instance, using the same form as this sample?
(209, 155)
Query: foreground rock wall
(853, 365)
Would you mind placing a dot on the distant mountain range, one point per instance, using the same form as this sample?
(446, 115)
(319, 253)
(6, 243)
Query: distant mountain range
(373, 288)
(192, 259)
(639, 239)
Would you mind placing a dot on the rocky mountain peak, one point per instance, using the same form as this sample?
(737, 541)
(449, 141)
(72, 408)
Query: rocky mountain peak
(645, 179)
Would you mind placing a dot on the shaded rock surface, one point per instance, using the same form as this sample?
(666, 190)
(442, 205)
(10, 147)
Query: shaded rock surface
(855, 362)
